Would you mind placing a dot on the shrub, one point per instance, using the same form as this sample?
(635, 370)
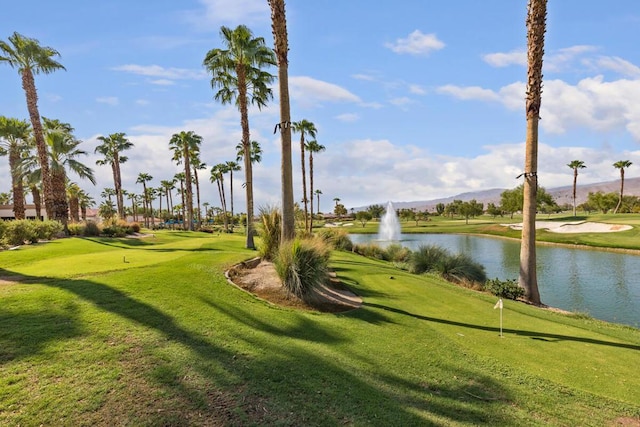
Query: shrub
(20, 231)
(504, 288)
(397, 253)
(371, 250)
(134, 227)
(47, 230)
(76, 229)
(302, 265)
(91, 229)
(337, 238)
(426, 258)
(270, 229)
(460, 268)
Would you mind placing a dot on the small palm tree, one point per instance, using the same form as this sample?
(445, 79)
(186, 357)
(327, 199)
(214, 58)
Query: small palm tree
(73, 194)
(183, 144)
(85, 201)
(29, 58)
(14, 135)
(312, 147)
(238, 75)
(318, 193)
(304, 127)
(143, 178)
(180, 178)
(217, 176)
(575, 165)
(621, 164)
(168, 186)
(111, 148)
(232, 167)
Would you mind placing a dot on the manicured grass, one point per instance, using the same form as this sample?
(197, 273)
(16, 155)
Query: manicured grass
(163, 339)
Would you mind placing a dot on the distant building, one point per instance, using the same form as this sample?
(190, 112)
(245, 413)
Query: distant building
(6, 213)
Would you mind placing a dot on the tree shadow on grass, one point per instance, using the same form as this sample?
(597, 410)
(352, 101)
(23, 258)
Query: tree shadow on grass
(542, 336)
(280, 384)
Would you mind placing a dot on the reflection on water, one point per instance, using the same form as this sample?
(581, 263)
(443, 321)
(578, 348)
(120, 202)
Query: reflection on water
(606, 285)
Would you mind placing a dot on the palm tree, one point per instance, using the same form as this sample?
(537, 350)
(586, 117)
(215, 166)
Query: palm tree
(575, 165)
(621, 164)
(536, 27)
(217, 176)
(29, 58)
(232, 167)
(183, 144)
(318, 193)
(337, 200)
(85, 201)
(304, 127)
(143, 178)
(281, 42)
(237, 73)
(14, 135)
(158, 192)
(255, 152)
(73, 194)
(312, 147)
(180, 177)
(111, 148)
(168, 186)
(197, 165)
(133, 198)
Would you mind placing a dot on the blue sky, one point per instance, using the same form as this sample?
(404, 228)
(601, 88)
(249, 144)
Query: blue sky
(413, 99)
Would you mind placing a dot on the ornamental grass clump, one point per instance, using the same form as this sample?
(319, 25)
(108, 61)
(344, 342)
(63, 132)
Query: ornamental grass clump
(302, 265)
(426, 258)
(337, 238)
(460, 268)
(269, 232)
(371, 250)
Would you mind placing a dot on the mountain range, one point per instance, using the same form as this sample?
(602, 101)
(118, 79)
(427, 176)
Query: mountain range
(561, 195)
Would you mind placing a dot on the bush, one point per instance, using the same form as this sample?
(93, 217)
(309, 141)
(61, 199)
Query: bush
(460, 268)
(76, 228)
(397, 253)
(302, 265)
(20, 231)
(426, 258)
(337, 238)
(91, 229)
(48, 230)
(270, 229)
(371, 250)
(134, 227)
(504, 288)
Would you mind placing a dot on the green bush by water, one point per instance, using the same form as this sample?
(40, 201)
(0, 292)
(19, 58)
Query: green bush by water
(303, 265)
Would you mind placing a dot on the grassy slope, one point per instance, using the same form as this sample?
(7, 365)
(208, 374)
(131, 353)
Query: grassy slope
(164, 339)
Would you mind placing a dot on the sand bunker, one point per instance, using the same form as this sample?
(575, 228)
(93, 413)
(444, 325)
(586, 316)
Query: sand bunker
(575, 227)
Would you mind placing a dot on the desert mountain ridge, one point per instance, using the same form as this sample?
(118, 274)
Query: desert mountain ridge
(562, 195)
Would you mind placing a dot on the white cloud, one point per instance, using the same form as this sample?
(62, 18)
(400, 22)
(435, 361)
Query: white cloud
(109, 100)
(402, 101)
(348, 117)
(163, 82)
(469, 93)
(365, 77)
(142, 102)
(417, 89)
(618, 65)
(501, 59)
(309, 92)
(416, 43)
(162, 72)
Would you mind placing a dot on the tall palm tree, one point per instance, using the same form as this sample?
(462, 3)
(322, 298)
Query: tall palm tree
(197, 165)
(318, 193)
(180, 178)
(255, 152)
(621, 164)
(217, 176)
(111, 148)
(14, 135)
(237, 74)
(168, 186)
(304, 127)
(143, 178)
(29, 58)
(158, 192)
(281, 42)
(312, 147)
(536, 27)
(575, 165)
(232, 167)
(183, 144)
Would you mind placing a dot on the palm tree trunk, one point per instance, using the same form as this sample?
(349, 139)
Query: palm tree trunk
(29, 86)
(188, 187)
(16, 184)
(621, 190)
(36, 200)
(311, 191)
(279, 25)
(575, 184)
(304, 183)
(536, 26)
(60, 205)
(246, 144)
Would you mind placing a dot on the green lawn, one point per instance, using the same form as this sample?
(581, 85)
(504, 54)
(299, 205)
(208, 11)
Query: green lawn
(149, 332)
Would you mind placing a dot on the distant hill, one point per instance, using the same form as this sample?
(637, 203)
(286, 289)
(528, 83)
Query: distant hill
(562, 195)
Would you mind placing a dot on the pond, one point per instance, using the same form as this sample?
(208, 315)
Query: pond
(605, 285)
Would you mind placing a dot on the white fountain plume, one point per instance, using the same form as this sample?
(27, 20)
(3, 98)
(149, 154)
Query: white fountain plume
(389, 225)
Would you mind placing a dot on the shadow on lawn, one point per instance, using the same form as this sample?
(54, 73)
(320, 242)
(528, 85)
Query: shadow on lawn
(541, 336)
(276, 384)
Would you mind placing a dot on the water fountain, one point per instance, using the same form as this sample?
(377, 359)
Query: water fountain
(389, 225)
